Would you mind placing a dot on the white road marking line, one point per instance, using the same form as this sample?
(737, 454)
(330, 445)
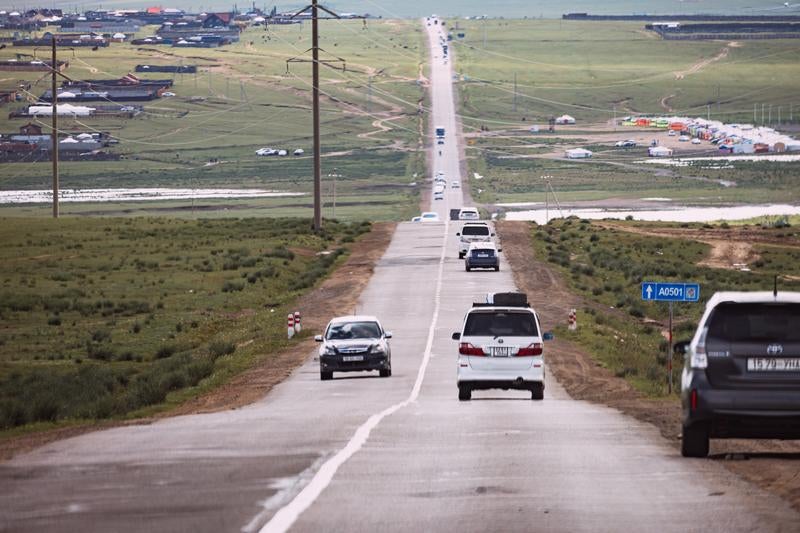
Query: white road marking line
(287, 515)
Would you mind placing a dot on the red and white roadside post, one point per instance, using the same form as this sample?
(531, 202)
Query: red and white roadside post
(573, 319)
(290, 326)
(297, 326)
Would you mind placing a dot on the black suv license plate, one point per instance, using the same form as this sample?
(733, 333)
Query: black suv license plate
(773, 364)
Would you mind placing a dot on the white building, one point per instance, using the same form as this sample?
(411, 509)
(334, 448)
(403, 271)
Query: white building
(578, 153)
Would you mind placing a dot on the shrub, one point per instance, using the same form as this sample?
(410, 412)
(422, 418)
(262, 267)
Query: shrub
(219, 348)
(54, 321)
(232, 286)
(166, 351)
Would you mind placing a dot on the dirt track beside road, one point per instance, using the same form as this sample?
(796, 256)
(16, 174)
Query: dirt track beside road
(773, 465)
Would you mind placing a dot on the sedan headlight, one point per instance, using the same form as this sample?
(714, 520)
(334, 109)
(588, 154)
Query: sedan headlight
(329, 350)
(378, 349)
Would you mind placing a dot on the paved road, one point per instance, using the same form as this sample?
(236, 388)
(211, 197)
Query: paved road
(361, 453)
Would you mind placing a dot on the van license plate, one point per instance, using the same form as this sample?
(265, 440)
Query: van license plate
(500, 351)
(773, 364)
(351, 358)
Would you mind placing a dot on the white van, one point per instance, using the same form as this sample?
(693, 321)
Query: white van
(438, 192)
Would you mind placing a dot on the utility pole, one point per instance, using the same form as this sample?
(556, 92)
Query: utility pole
(615, 117)
(762, 113)
(769, 120)
(754, 113)
(708, 111)
(315, 61)
(484, 32)
(779, 114)
(315, 107)
(54, 139)
(717, 101)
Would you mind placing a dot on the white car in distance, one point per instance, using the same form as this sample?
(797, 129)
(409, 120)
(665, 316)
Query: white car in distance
(469, 213)
(430, 216)
(455, 184)
(472, 232)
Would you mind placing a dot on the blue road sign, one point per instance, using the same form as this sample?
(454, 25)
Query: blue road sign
(670, 292)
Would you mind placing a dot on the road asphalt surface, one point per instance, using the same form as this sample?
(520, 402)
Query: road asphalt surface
(363, 453)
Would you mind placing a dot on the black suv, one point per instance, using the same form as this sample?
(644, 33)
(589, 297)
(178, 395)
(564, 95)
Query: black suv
(742, 373)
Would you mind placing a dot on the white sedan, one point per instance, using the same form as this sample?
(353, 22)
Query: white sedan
(430, 216)
(455, 184)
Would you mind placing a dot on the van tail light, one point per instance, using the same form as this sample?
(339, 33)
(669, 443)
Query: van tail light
(531, 349)
(465, 348)
(693, 399)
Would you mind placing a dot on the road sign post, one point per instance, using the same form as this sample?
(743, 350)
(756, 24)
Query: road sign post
(655, 291)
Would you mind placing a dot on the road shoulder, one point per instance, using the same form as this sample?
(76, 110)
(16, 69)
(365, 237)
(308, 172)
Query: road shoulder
(768, 464)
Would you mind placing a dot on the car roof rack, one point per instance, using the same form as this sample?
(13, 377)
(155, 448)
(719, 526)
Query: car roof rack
(504, 299)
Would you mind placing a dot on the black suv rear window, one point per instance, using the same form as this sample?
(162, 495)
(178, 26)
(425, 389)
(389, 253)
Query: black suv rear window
(734, 322)
(482, 251)
(475, 230)
(506, 324)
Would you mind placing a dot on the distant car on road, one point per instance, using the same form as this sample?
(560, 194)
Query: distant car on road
(469, 213)
(266, 151)
(167, 93)
(696, 141)
(501, 347)
(354, 343)
(430, 216)
(625, 144)
(455, 184)
(472, 232)
(671, 133)
(416, 219)
(439, 141)
(482, 255)
(299, 151)
(438, 192)
(741, 377)
(684, 138)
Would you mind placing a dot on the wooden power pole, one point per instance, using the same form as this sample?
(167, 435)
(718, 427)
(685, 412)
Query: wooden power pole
(54, 138)
(315, 62)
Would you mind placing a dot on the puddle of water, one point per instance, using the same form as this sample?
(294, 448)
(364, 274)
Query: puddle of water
(685, 161)
(676, 214)
(135, 195)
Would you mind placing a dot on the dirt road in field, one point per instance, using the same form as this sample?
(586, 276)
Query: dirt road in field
(771, 464)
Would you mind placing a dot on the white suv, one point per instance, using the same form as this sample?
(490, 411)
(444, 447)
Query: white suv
(500, 347)
(472, 232)
(469, 213)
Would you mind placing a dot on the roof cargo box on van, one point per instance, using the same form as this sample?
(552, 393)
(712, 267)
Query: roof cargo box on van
(511, 299)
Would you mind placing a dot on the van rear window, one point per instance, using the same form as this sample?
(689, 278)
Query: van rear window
(769, 322)
(507, 324)
(475, 230)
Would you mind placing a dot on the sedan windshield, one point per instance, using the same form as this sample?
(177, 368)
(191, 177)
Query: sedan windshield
(496, 324)
(353, 330)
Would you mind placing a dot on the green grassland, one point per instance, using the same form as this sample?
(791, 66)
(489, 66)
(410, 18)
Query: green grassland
(107, 317)
(586, 68)
(596, 71)
(246, 97)
(607, 268)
